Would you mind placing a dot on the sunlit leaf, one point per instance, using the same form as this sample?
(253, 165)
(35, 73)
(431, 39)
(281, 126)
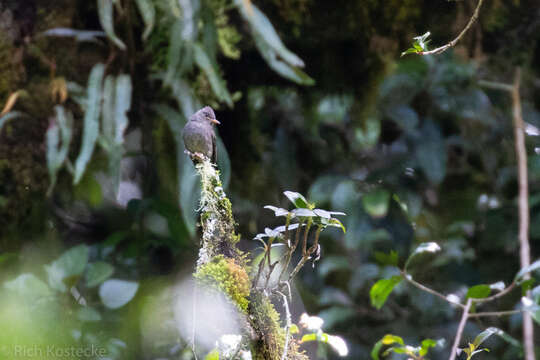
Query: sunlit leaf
(58, 139)
(381, 289)
(148, 14)
(212, 355)
(277, 211)
(484, 335)
(301, 212)
(427, 344)
(106, 18)
(262, 27)
(29, 287)
(91, 121)
(390, 339)
(430, 247)
(116, 293)
(122, 104)
(282, 68)
(532, 267)
(478, 291)
(88, 314)
(297, 199)
(97, 273)
(338, 344)
(211, 71)
(79, 35)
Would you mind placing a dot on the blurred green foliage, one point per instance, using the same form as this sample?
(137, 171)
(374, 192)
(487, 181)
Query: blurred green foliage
(412, 149)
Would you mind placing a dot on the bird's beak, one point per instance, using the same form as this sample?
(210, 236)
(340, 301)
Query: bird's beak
(214, 121)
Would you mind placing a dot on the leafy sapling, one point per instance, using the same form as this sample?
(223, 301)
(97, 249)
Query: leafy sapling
(295, 233)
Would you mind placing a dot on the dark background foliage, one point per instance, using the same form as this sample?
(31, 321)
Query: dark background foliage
(412, 149)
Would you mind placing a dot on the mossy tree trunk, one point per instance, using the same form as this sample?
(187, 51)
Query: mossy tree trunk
(223, 267)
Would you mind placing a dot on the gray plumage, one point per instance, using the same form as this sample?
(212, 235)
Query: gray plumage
(199, 136)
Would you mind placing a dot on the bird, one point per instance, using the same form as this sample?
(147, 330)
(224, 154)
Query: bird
(199, 137)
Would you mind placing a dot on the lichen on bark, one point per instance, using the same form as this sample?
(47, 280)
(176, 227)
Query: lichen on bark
(222, 267)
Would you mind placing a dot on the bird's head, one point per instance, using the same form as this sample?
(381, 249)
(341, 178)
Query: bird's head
(205, 114)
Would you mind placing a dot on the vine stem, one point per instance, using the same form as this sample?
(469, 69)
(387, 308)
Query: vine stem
(452, 43)
(461, 326)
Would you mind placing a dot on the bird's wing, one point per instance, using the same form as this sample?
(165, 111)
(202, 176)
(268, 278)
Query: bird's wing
(214, 148)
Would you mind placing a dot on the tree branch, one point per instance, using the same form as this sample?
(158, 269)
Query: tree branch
(409, 279)
(523, 206)
(452, 43)
(495, 313)
(461, 326)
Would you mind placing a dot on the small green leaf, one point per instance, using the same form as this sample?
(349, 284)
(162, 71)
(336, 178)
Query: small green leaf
(376, 349)
(297, 199)
(301, 212)
(90, 122)
(426, 345)
(88, 314)
(390, 339)
(387, 259)
(293, 329)
(534, 266)
(97, 273)
(148, 14)
(116, 293)
(277, 211)
(105, 11)
(478, 292)
(376, 203)
(66, 270)
(309, 337)
(431, 247)
(212, 355)
(480, 338)
(29, 287)
(381, 289)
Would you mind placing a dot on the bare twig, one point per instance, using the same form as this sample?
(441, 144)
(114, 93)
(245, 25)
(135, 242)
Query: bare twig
(497, 295)
(461, 326)
(523, 204)
(452, 43)
(287, 326)
(409, 279)
(495, 313)
(291, 249)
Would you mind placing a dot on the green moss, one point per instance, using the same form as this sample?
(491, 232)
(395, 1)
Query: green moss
(227, 276)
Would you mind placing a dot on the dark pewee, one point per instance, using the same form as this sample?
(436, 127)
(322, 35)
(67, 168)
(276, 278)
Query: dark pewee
(199, 136)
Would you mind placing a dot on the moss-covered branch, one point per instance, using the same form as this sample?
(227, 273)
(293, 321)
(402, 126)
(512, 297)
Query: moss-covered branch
(221, 266)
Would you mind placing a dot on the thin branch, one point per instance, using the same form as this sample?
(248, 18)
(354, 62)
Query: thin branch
(494, 85)
(459, 332)
(497, 295)
(287, 326)
(523, 206)
(452, 43)
(409, 279)
(495, 313)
